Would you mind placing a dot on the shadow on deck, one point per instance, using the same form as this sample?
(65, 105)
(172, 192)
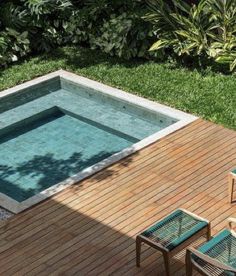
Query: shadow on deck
(90, 228)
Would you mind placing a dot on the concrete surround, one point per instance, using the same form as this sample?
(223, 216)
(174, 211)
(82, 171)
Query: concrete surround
(182, 117)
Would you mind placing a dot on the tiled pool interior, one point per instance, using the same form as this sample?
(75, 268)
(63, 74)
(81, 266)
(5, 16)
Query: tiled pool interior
(56, 129)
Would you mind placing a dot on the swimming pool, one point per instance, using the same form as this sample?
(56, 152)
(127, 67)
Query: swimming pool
(60, 128)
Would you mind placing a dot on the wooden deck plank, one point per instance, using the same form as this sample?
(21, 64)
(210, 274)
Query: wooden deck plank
(90, 228)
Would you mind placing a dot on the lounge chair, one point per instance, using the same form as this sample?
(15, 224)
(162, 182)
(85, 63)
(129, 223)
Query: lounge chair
(173, 233)
(216, 257)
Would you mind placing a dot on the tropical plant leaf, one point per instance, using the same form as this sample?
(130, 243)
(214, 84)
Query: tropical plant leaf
(159, 45)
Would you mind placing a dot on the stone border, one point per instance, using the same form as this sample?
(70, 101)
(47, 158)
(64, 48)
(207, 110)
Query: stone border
(182, 117)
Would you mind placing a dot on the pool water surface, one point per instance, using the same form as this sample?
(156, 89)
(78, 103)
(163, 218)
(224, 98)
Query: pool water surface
(58, 128)
(47, 150)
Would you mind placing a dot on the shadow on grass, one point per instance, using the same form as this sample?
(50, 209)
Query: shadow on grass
(77, 57)
(80, 58)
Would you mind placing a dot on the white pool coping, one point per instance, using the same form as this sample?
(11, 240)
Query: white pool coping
(182, 117)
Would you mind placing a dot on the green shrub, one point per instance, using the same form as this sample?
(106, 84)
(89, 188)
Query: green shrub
(205, 30)
(13, 45)
(114, 27)
(122, 35)
(32, 26)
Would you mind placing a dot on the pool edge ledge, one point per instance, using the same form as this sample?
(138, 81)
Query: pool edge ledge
(183, 120)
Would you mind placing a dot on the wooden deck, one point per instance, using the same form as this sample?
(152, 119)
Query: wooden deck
(90, 228)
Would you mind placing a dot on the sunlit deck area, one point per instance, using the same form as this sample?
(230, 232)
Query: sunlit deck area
(90, 228)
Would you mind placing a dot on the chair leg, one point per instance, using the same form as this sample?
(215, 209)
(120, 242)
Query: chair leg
(138, 250)
(231, 187)
(167, 263)
(209, 231)
(188, 263)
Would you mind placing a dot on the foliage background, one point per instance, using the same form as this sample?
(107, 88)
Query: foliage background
(196, 33)
(33, 26)
(202, 32)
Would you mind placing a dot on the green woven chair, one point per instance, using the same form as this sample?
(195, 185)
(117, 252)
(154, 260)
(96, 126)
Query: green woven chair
(216, 257)
(173, 233)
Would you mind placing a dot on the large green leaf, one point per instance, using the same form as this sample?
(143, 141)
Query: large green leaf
(159, 45)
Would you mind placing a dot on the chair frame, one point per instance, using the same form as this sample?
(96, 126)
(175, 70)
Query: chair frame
(231, 183)
(191, 264)
(167, 254)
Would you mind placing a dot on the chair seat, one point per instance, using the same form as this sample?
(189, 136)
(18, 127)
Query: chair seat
(174, 229)
(222, 248)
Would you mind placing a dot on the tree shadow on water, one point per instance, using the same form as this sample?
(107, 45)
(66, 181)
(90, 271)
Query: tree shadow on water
(44, 171)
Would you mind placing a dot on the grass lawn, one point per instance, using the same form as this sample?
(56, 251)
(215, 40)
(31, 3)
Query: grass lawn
(206, 94)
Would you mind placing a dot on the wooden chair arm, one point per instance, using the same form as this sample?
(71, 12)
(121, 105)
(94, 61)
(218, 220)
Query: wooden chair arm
(210, 261)
(231, 221)
(194, 215)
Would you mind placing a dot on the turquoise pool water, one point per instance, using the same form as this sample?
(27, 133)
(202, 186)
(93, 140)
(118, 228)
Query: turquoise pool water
(55, 131)
(49, 149)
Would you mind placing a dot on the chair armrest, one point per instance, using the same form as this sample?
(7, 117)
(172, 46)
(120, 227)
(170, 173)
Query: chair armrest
(194, 215)
(232, 221)
(210, 261)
